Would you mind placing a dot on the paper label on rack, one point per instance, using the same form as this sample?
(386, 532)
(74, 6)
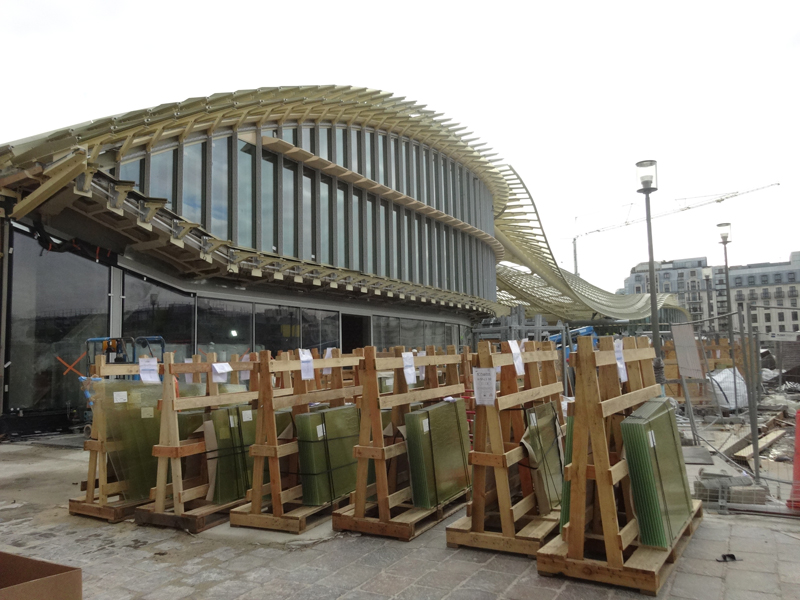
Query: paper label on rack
(517, 355)
(622, 370)
(247, 415)
(120, 397)
(244, 375)
(426, 426)
(497, 370)
(408, 368)
(422, 369)
(306, 365)
(148, 412)
(483, 380)
(148, 370)
(234, 420)
(328, 354)
(321, 430)
(718, 354)
(219, 372)
(188, 376)
(652, 439)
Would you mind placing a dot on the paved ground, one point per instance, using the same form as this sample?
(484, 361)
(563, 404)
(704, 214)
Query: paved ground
(123, 561)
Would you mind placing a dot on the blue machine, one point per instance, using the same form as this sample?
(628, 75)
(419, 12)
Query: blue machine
(573, 334)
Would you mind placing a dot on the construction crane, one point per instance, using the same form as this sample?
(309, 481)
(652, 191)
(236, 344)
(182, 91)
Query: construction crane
(665, 214)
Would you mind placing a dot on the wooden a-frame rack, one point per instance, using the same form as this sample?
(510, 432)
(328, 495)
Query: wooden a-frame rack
(600, 406)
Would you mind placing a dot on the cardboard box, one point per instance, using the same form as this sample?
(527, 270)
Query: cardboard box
(24, 578)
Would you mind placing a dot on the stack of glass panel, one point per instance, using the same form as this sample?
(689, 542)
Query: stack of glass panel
(437, 439)
(660, 487)
(327, 466)
(542, 436)
(565, 495)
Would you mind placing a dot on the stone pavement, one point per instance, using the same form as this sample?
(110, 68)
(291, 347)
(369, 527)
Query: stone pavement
(123, 561)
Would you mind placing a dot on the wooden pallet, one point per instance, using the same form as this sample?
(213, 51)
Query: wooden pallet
(608, 552)
(104, 499)
(525, 519)
(288, 513)
(184, 505)
(392, 514)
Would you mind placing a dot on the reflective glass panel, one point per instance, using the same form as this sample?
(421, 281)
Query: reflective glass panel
(58, 300)
(408, 188)
(289, 134)
(341, 147)
(382, 152)
(162, 176)
(425, 183)
(133, 171)
(277, 328)
(246, 194)
(416, 182)
(386, 332)
(220, 187)
(384, 235)
(308, 139)
(398, 242)
(431, 239)
(193, 182)
(320, 329)
(269, 193)
(325, 249)
(309, 216)
(412, 333)
(152, 309)
(288, 223)
(224, 327)
(394, 161)
(325, 143)
(355, 149)
(408, 255)
(422, 252)
(369, 143)
(434, 334)
(342, 259)
(369, 237)
(355, 218)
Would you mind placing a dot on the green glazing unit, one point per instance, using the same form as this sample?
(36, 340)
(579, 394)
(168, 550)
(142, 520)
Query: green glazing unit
(229, 459)
(660, 487)
(437, 439)
(565, 487)
(542, 436)
(327, 466)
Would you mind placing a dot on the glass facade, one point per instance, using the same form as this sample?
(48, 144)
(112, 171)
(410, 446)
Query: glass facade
(163, 181)
(224, 327)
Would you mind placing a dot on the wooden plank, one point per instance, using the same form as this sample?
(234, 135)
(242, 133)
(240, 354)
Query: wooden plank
(279, 450)
(764, 441)
(186, 448)
(511, 400)
(421, 395)
(389, 364)
(193, 493)
(629, 400)
(317, 396)
(215, 400)
(379, 453)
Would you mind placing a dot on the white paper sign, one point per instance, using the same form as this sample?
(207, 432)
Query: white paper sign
(220, 372)
(422, 368)
(622, 370)
(306, 365)
(244, 375)
(120, 397)
(484, 383)
(426, 426)
(408, 368)
(517, 355)
(188, 376)
(718, 354)
(148, 370)
(247, 415)
(320, 431)
(328, 354)
(148, 412)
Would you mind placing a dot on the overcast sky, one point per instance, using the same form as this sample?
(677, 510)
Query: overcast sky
(571, 94)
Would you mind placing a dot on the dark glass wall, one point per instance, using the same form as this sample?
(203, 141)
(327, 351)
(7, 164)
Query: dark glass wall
(58, 300)
(320, 329)
(224, 327)
(277, 328)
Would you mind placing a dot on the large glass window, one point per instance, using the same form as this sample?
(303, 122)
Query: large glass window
(289, 247)
(133, 171)
(412, 274)
(152, 309)
(431, 239)
(422, 241)
(309, 224)
(342, 233)
(355, 149)
(277, 328)
(193, 182)
(416, 181)
(412, 333)
(355, 219)
(162, 176)
(320, 329)
(325, 237)
(369, 237)
(220, 187)
(224, 327)
(51, 318)
(269, 194)
(382, 156)
(325, 143)
(384, 235)
(246, 195)
(434, 334)
(369, 144)
(386, 332)
(289, 134)
(437, 182)
(341, 147)
(442, 257)
(459, 259)
(398, 243)
(408, 187)
(394, 162)
(307, 143)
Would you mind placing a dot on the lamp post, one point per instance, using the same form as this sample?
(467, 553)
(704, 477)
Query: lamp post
(725, 235)
(647, 174)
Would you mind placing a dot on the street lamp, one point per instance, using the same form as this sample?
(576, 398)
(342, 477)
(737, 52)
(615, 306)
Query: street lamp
(725, 235)
(647, 175)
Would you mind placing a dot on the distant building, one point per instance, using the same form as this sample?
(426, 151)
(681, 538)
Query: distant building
(700, 289)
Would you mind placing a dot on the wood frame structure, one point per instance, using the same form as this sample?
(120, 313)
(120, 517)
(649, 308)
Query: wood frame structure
(522, 527)
(95, 503)
(600, 406)
(182, 503)
(284, 511)
(392, 513)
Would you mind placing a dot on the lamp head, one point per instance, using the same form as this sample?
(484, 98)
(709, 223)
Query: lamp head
(725, 232)
(647, 176)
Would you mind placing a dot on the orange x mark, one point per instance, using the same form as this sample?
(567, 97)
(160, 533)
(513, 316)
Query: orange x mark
(72, 366)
